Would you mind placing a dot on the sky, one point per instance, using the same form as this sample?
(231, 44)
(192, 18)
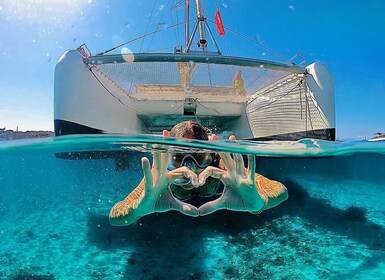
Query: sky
(348, 36)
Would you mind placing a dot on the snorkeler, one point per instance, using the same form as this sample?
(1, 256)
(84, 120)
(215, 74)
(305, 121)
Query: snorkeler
(174, 178)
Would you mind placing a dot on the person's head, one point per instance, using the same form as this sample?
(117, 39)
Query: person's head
(190, 130)
(197, 162)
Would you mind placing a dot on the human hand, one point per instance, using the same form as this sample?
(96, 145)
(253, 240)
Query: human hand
(215, 137)
(155, 196)
(240, 192)
(157, 180)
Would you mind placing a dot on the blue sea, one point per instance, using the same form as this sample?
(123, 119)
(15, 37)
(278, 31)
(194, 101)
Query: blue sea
(56, 193)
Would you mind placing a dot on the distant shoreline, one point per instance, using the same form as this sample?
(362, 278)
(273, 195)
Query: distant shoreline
(12, 135)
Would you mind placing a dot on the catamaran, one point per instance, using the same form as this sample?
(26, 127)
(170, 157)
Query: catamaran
(147, 92)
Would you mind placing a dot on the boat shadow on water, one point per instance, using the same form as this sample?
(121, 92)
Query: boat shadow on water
(171, 244)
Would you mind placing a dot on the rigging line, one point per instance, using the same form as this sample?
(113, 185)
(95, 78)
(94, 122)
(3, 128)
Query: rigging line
(317, 107)
(160, 49)
(209, 71)
(101, 83)
(255, 42)
(256, 109)
(285, 77)
(212, 109)
(271, 78)
(228, 48)
(308, 111)
(266, 92)
(203, 7)
(134, 110)
(138, 38)
(176, 7)
(300, 99)
(175, 109)
(164, 10)
(148, 23)
(235, 96)
(256, 78)
(229, 52)
(121, 102)
(176, 32)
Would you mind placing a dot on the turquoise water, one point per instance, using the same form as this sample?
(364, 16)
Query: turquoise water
(54, 214)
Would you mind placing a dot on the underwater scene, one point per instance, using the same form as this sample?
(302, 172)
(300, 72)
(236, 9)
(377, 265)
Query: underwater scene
(56, 194)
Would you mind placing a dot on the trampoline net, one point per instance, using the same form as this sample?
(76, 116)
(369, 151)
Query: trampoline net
(276, 101)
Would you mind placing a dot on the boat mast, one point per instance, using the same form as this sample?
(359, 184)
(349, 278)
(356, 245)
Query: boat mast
(201, 24)
(187, 25)
(202, 43)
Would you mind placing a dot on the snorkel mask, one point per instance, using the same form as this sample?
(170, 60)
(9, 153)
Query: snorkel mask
(194, 162)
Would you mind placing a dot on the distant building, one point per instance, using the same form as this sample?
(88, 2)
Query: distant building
(12, 135)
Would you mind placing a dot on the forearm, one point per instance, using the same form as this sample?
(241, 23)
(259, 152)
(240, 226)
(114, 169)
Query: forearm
(273, 192)
(125, 212)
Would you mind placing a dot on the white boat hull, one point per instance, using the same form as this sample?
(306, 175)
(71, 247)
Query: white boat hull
(89, 102)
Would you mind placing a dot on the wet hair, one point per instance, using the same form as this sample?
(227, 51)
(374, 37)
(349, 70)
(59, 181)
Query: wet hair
(182, 129)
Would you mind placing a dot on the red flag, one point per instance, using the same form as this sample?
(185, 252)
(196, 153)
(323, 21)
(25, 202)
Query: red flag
(219, 23)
